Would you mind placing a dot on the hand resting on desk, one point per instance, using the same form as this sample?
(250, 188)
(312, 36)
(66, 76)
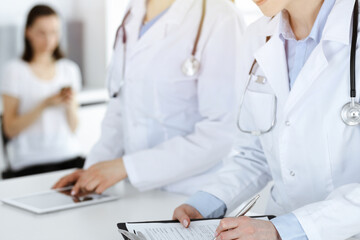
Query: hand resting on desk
(97, 178)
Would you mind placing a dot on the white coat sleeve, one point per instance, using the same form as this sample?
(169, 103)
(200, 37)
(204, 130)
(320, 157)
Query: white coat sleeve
(211, 140)
(335, 218)
(246, 170)
(110, 144)
(245, 173)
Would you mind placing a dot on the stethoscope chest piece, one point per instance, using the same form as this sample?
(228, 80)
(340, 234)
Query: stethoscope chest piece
(351, 113)
(191, 67)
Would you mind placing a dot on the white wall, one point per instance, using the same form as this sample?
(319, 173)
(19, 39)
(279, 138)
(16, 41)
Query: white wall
(90, 12)
(14, 13)
(101, 19)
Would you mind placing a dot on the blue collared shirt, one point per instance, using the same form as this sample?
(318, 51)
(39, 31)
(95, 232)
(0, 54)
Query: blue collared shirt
(145, 27)
(297, 53)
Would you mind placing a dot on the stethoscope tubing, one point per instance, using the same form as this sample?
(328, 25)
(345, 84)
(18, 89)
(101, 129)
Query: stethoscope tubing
(125, 38)
(350, 109)
(353, 51)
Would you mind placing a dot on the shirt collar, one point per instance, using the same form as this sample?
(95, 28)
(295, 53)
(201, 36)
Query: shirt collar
(286, 32)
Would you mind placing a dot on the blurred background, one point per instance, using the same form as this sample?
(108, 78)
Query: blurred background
(88, 30)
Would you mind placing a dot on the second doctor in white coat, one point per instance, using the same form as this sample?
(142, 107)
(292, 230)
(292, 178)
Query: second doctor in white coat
(165, 129)
(311, 155)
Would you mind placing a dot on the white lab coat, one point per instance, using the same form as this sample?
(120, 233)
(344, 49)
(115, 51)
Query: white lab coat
(173, 130)
(311, 155)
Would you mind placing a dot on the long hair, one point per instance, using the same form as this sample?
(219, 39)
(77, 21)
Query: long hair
(35, 13)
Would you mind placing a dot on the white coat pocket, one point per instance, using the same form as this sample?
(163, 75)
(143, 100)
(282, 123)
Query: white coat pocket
(178, 89)
(262, 107)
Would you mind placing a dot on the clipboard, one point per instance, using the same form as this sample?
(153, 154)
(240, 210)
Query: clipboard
(124, 225)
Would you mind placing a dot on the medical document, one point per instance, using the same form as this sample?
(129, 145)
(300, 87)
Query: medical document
(198, 230)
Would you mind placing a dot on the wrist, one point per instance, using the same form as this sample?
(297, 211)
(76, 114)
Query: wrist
(120, 163)
(71, 105)
(45, 104)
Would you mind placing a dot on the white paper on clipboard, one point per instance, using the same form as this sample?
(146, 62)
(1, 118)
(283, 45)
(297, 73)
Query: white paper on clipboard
(171, 230)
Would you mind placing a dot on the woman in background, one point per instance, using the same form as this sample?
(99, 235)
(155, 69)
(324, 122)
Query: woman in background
(38, 92)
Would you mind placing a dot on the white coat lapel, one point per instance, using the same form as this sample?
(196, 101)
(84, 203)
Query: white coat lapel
(311, 71)
(337, 29)
(156, 33)
(138, 10)
(272, 60)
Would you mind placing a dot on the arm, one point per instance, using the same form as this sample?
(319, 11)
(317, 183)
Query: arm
(70, 93)
(14, 123)
(186, 156)
(72, 116)
(71, 109)
(104, 160)
(337, 217)
(208, 205)
(244, 174)
(104, 166)
(111, 132)
(289, 228)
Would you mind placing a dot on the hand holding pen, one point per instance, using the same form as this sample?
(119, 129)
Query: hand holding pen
(241, 227)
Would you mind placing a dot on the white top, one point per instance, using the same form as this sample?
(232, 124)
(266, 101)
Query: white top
(49, 139)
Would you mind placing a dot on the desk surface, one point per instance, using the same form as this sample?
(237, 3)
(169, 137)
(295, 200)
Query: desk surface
(91, 222)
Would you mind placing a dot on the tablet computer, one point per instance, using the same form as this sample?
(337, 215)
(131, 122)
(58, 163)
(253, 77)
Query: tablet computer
(56, 200)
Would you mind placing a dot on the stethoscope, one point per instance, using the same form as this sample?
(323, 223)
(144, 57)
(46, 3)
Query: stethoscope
(350, 113)
(190, 67)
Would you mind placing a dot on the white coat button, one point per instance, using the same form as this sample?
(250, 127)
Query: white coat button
(287, 123)
(292, 173)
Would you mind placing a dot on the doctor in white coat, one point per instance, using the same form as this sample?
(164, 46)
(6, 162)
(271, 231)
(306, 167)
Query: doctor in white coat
(164, 129)
(302, 72)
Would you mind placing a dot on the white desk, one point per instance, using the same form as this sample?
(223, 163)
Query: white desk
(92, 222)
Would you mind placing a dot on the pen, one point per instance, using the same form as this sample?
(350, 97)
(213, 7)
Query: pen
(246, 208)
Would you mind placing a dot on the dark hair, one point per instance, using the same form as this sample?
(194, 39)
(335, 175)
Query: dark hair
(35, 13)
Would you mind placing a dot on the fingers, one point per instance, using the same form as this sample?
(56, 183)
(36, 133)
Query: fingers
(229, 235)
(90, 182)
(102, 187)
(66, 93)
(76, 189)
(181, 214)
(99, 177)
(85, 183)
(68, 97)
(67, 180)
(63, 182)
(91, 185)
(227, 224)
